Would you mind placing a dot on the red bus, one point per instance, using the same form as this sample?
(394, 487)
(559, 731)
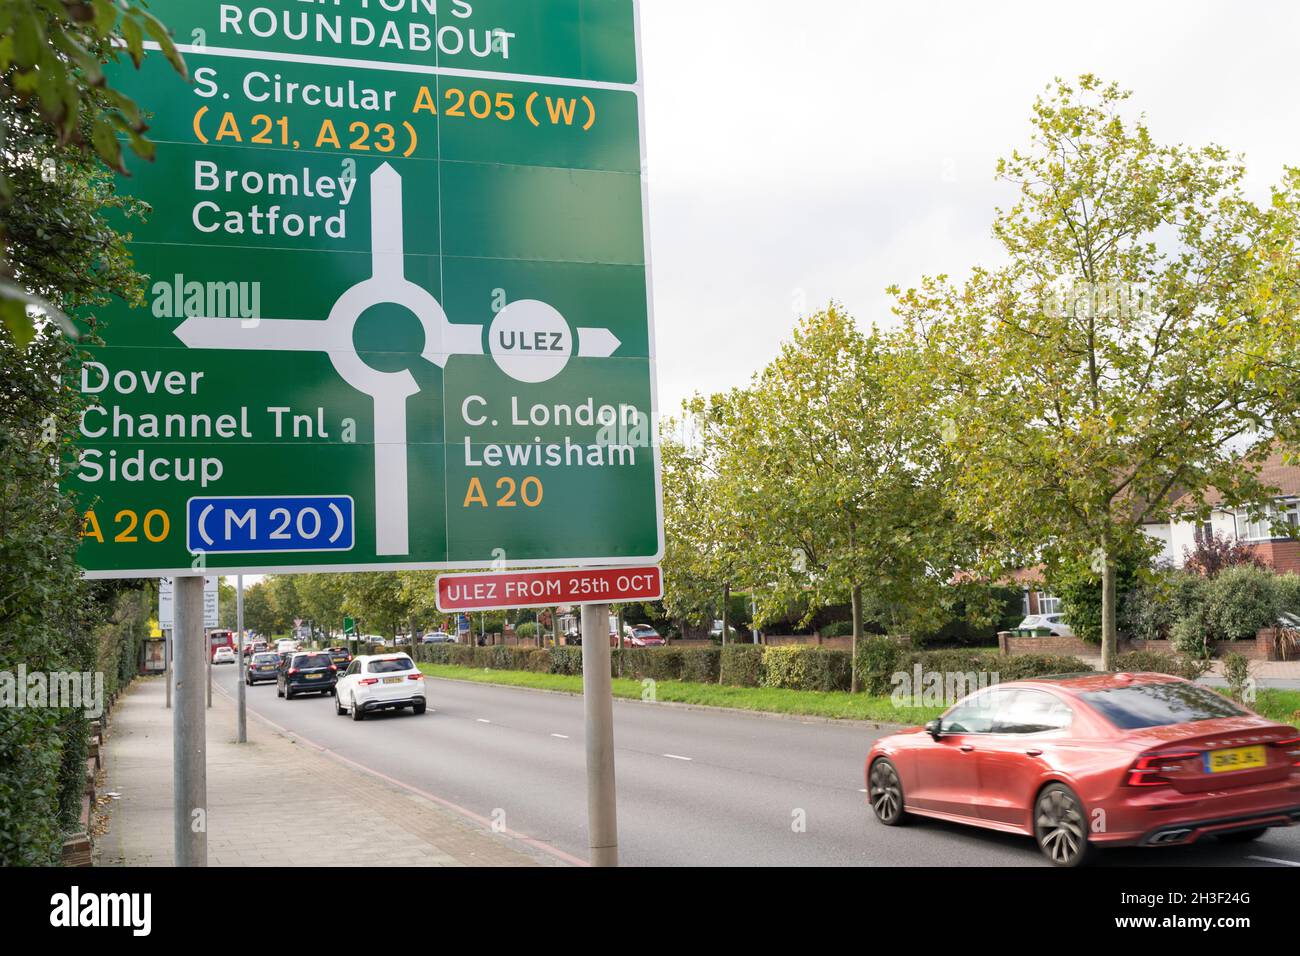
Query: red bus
(220, 638)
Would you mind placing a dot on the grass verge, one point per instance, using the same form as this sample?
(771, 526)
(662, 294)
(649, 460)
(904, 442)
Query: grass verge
(1279, 705)
(831, 704)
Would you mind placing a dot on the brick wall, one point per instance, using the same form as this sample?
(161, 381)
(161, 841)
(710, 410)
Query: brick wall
(1061, 646)
(1282, 556)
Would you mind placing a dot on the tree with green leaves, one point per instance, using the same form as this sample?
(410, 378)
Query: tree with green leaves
(834, 468)
(1141, 328)
(376, 600)
(702, 538)
(57, 255)
(59, 107)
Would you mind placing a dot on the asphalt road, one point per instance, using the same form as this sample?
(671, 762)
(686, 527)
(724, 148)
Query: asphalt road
(694, 787)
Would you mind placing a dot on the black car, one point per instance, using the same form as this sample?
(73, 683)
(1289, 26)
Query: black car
(306, 672)
(264, 666)
(340, 656)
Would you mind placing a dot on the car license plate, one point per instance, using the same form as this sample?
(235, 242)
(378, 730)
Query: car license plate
(315, 676)
(1239, 758)
(392, 680)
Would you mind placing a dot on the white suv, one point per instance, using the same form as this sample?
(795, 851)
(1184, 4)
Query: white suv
(379, 682)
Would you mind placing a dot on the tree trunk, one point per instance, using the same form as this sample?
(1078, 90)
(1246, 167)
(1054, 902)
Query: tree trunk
(857, 637)
(1109, 635)
(726, 600)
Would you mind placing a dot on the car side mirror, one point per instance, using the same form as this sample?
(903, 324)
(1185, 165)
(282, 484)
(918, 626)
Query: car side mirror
(934, 728)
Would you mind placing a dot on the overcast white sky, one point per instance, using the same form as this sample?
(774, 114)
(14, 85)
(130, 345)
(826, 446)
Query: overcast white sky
(806, 150)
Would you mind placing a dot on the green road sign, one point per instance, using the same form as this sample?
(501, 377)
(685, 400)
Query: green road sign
(398, 307)
(349, 626)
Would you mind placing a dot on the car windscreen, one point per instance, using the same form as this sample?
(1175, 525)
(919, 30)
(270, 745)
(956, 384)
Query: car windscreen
(1159, 705)
(390, 665)
(312, 660)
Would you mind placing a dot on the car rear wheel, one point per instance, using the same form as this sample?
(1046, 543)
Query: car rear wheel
(417, 708)
(1061, 826)
(279, 691)
(886, 793)
(357, 712)
(1243, 836)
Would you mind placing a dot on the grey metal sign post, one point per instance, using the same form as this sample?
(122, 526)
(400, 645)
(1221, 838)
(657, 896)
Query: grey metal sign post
(598, 707)
(241, 731)
(189, 728)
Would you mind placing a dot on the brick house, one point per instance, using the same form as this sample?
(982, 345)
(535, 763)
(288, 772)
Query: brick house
(1282, 553)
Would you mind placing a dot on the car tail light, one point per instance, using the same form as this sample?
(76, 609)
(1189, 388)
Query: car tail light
(1291, 746)
(415, 677)
(1150, 770)
(333, 668)
(368, 681)
(293, 670)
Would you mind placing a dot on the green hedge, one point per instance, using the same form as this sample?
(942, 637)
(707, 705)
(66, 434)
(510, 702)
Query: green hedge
(792, 667)
(742, 665)
(880, 658)
(805, 667)
(1139, 661)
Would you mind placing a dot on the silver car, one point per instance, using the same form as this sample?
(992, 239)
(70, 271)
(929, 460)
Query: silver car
(1052, 622)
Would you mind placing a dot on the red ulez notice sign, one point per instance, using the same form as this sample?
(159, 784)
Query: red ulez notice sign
(506, 589)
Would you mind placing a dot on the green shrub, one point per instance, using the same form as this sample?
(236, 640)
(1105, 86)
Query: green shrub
(1240, 601)
(653, 663)
(878, 660)
(837, 629)
(742, 664)
(1136, 662)
(804, 667)
(1236, 671)
(1191, 637)
(975, 613)
(1149, 612)
(29, 787)
(1288, 592)
(565, 660)
(1079, 586)
(700, 664)
(981, 668)
(526, 631)
(1025, 666)
(1191, 632)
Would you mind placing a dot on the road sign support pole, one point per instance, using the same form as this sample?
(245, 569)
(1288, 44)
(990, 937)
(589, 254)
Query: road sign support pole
(167, 663)
(207, 656)
(189, 728)
(598, 707)
(241, 728)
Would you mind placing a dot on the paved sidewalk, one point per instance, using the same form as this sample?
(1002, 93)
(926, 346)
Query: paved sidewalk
(271, 799)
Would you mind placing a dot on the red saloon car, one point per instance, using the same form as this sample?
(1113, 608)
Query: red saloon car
(1087, 761)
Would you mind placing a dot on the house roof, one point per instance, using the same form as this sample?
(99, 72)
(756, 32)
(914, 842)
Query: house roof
(1275, 472)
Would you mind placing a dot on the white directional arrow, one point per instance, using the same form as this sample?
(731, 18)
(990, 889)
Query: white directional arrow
(597, 343)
